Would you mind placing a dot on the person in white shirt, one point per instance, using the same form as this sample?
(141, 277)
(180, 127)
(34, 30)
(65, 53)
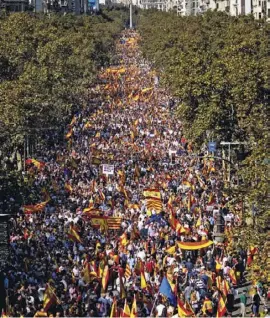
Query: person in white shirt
(141, 254)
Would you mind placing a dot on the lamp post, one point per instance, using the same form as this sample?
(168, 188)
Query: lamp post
(130, 16)
(229, 144)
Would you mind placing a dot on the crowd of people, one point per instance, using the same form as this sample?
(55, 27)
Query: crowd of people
(129, 214)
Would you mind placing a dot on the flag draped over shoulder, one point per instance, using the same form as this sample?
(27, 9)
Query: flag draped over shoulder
(49, 298)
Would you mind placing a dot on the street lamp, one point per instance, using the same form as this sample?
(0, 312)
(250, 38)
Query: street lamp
(130, 15)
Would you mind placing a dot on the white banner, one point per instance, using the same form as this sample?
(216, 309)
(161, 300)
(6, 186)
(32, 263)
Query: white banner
(108, 169)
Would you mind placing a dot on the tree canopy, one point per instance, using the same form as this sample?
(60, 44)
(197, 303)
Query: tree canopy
(47, 64)
(217, 67)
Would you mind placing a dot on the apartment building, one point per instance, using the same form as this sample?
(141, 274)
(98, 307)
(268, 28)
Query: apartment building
(259, 8)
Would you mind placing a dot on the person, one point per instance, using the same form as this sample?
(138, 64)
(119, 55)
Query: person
(256, 304)
(243, 303)
(230, 301)
(137, 135)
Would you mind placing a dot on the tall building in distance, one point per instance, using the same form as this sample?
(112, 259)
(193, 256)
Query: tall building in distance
(259, 8)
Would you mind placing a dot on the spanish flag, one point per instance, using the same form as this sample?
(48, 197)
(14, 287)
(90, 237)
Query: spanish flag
(221, 310)
(36, 163)
(194, 245)
(232, 276)
(171, 250)
(134, 311)
(184, 309)
(207, 306)
(73, 235)
(126, 310)
(49, 298)
(87, 275)
(69, 134)
(218, 266)
(91, 212)
(152, 193)
(68, 187)
(29, 209)
(114, 312)
(219, 283)
(225, 287)
(123, 239)
(143, 282)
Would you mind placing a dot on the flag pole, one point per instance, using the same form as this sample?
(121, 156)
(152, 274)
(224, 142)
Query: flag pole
(154, 304)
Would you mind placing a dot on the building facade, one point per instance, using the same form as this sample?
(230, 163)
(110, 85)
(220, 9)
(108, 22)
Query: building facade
(259, 8)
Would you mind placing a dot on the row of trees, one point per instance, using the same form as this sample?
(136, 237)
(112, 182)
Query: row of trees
(217, 66)
(47, 64)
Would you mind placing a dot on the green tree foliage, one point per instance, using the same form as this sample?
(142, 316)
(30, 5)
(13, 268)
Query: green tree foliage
(217, 67)
(47, 65)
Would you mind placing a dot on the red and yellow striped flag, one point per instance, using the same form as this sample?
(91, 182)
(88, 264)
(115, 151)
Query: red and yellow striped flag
(127, 271)
(221, 310)
(232, 276)
(68, 187)
(73, 235)
(194, 245)
(36, 163)
(49, 298)
(69, 134)
(114, 223)
(29, 209)
(183, 309)
(87, 274)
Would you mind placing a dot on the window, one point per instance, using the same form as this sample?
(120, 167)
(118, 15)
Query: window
(260, 15)
(268, 14)
(259, 3)
(217, 6)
